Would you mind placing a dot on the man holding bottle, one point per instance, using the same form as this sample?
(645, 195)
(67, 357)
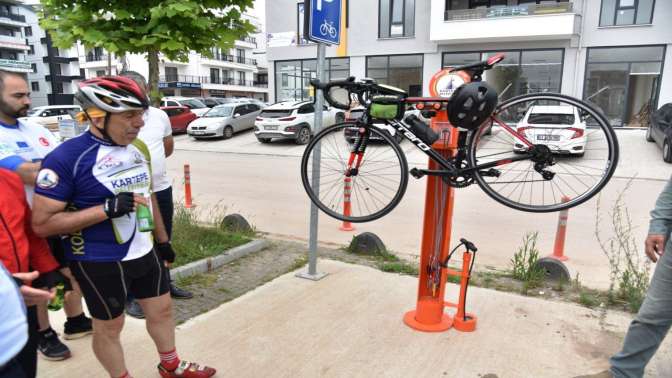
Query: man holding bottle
(91, 188)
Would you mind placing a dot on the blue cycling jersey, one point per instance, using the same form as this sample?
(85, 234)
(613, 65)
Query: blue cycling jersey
(83, 172)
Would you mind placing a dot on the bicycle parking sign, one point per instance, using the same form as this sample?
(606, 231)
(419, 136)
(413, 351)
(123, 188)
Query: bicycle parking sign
(323, 21)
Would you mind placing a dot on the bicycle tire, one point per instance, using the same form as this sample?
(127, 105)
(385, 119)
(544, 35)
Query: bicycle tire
(592, 164)
(380, 163)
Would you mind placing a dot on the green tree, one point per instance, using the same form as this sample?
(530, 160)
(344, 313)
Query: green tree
(152, 27)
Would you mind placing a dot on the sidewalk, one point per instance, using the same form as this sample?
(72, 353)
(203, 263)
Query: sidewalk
(350, 324)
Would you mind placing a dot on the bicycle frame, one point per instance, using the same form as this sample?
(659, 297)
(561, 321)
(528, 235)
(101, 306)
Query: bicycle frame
(447, 165)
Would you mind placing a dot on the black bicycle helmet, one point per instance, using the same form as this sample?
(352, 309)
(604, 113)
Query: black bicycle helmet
(471, 105)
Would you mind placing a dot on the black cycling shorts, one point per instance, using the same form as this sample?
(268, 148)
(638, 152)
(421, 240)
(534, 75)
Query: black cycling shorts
(57, 249)
(105, 285)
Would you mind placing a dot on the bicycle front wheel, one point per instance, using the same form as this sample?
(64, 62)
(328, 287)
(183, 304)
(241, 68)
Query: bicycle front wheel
(361, 176)
(543, 152)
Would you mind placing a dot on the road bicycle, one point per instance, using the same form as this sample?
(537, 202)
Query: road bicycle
(537, 152)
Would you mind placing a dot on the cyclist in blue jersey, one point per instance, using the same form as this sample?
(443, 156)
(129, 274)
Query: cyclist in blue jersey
(88, 189)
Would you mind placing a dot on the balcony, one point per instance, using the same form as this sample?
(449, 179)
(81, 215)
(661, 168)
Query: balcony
(63, 78)
(91, 57)
(60, 59)
(14, 19)
(13, 43)
(15, 65)
(232, 81)
(233, 59)
(249, 42)
(528, 22)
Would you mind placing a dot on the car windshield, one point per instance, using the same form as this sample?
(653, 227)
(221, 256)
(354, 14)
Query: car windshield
(193, 104)
(278, 113)
(550, 119)
(219, 111)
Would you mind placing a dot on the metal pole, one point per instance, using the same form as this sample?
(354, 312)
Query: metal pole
(319, 105)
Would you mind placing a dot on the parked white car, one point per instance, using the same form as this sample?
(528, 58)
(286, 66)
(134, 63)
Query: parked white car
(559, 127)
(196, 106)
(224, 121)
(292, 120)
(48, 116)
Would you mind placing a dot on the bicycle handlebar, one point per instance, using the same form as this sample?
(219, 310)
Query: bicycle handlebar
(363, 89)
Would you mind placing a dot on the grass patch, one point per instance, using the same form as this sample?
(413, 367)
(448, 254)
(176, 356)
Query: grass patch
(587, 299)
(202, 280)
(193, 241)
(401, 267)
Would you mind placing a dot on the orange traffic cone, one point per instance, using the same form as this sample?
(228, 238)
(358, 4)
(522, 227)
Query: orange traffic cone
(187, 187)
(347, 210)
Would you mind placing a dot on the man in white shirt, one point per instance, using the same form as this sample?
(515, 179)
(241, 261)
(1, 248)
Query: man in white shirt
(157, 134)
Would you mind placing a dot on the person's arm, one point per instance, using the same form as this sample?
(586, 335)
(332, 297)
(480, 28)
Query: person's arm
(168, 142)
(39, 256)
(168, 145)
(50, 217)
(659, 226)
(160, 234)
(28, 172)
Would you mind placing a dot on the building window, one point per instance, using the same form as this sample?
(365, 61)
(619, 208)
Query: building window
(100, 73)
(240, 53)
(33, 66)
(402, 71)
(521, 72)
(626, 12)
(214, 76)
(241, 78)
(57, 69)
(396, 18)
(624, 81)
(56, 87)
(32, 50)
(35, 86)
(28, 31)
(171, 74)
(292, 78)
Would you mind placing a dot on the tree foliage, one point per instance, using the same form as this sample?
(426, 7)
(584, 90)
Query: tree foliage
(170, 27)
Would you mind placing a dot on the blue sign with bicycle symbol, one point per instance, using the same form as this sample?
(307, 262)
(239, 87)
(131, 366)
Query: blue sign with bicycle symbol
(323, 21)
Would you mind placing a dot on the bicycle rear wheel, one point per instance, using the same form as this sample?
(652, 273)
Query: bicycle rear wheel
(571, 148)
(362, 175)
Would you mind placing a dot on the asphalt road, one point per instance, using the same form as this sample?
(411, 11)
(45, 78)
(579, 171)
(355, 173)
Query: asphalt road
(262, 182)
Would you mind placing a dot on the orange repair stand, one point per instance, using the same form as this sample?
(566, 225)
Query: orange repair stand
(429, 314)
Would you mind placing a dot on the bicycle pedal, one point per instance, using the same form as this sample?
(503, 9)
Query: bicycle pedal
(491, 173)
(417, 173)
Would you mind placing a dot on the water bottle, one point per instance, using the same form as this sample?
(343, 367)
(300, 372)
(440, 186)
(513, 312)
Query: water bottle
(421, 130)
(144, 217)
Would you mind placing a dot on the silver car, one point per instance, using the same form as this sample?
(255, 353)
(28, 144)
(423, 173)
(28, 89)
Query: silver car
(224, 121)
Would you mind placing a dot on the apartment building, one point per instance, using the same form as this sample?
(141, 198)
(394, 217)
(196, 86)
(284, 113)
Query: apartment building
(13, 46)
(611, 52)
(54, 72)
(232, 73)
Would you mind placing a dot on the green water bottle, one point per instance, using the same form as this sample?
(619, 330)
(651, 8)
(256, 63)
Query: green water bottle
(144, 217)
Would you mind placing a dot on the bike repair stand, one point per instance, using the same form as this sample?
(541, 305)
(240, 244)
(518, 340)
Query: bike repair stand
(429, 314)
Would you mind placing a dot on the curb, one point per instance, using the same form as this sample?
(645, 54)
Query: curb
(210, 263)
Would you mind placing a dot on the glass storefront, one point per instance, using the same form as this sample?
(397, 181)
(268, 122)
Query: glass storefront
(624, 82)
(521, 72)
(292, 77)
(401, 71)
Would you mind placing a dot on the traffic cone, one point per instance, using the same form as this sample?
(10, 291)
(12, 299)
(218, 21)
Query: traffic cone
(561, 233)
(187, 187)
(347, 210)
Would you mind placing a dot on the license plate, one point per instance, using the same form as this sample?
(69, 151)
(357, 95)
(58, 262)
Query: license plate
(548, 137)
(270, 127)
(198, 132)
